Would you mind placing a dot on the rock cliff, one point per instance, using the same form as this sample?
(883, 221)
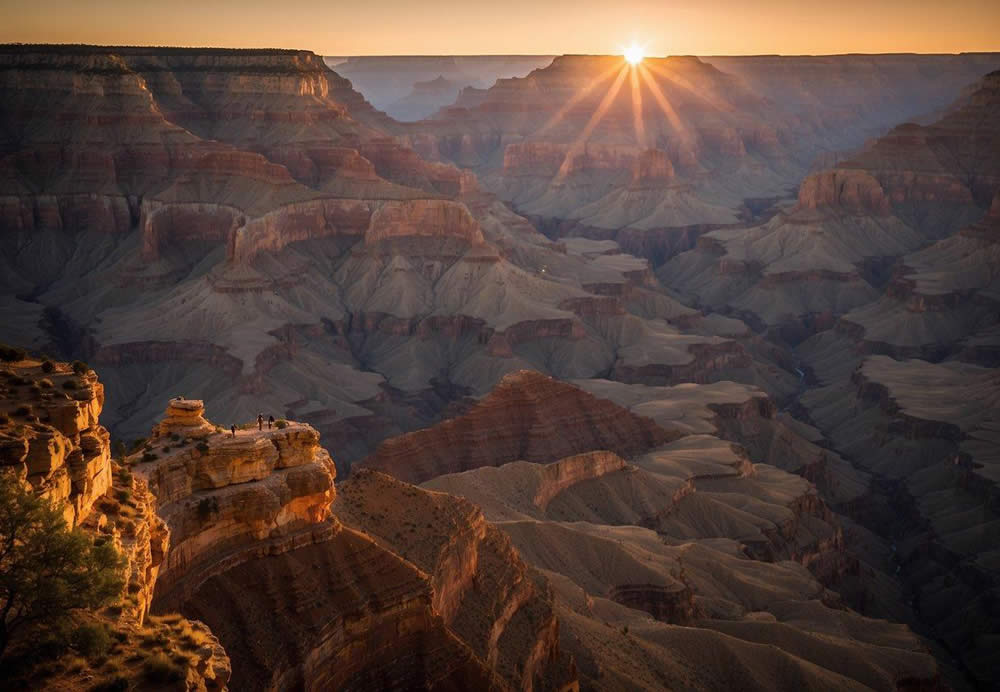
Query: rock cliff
(51, 440)
(527, 416)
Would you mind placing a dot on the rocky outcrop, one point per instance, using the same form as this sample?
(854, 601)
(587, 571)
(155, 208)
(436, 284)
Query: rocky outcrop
(51, 437)
(482, 589)
(674, 603)
(844, 190)
(527, 416)
(435, 218)
(226, 498)
(558, 476)
(707, 361)
(51, 441)
(651, 169)
(341, 614)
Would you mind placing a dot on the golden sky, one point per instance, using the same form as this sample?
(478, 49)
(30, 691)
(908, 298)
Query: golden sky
(454, 27)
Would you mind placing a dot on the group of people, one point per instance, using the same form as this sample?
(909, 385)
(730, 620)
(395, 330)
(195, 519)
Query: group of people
(260, 423)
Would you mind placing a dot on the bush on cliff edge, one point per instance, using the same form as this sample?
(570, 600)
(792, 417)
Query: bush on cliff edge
(46, 569)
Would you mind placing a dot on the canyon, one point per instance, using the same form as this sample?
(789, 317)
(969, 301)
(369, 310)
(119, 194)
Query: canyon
(587, 375)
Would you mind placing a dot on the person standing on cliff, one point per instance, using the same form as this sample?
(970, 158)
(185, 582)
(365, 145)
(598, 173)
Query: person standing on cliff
(270, 422)
(260, 421)
(233, 429)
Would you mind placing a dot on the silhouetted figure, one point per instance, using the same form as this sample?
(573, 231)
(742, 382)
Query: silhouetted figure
(233, 428)
(270, 422)
(260, 421)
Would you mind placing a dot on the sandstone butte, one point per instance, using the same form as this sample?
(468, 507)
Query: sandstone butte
(274, 591)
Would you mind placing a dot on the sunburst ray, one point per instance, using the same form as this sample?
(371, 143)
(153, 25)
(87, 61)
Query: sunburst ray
(579, 96)
(594, 121)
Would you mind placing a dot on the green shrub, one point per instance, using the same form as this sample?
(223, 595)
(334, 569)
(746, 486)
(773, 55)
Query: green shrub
(159, 668)
(175, 437)
(12, 353)
(91, 640)
(150, 456)
(123, 496)
(202, 447)
(48, 366)
(281, 424)
(80, 368)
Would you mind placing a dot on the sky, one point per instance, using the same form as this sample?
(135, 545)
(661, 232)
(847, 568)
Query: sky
(472, 27)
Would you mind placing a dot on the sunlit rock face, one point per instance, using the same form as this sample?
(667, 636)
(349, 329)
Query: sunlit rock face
(52, 439)
(52, 443)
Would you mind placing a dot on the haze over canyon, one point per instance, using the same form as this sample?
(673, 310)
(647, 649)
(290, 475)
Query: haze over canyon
(586, 373)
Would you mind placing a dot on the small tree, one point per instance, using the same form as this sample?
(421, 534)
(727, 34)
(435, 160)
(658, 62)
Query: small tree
(46, 569)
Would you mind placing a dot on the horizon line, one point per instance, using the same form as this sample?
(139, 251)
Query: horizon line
(484, 55)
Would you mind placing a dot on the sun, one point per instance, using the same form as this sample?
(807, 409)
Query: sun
(633, 54)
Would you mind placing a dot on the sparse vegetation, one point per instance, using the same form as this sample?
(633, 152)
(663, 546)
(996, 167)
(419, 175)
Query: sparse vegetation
(12, 354)
(91, 639)
(202, 447)
(46, 569)
(281, 424)
(80, 368)
(159, 668)
(48, 366)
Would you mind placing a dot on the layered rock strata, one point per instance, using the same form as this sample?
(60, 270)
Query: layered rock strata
(693, 535)
(527, 416)
(52, 442)
(928, 433)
